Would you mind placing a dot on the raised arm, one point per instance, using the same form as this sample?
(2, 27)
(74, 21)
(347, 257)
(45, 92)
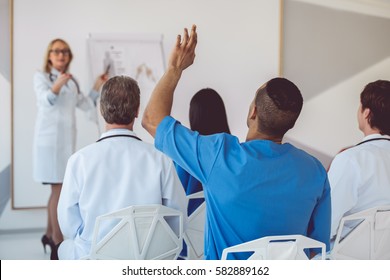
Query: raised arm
(160, 103)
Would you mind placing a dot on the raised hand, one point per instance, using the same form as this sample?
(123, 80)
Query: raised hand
(183, 54)
(100, 81)
(160, 103)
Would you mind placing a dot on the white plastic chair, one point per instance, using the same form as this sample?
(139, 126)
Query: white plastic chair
(368, 240)
(142, 233)
(194, 234)
(283, 247)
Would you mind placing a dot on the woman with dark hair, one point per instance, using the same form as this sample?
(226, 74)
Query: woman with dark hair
(207, 113)
(207, 116)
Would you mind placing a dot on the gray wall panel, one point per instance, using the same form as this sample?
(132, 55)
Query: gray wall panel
(324, 46)
(5, 39)
(5, 187)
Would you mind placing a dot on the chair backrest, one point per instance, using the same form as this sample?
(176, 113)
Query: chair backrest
(283, 247)
(368, 240)
(194, 233)
(143, 232)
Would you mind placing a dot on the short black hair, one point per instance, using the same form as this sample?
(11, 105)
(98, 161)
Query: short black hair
(278, 105)
(376, 97)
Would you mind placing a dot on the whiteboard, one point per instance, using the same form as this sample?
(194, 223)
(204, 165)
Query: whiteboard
(139, 56)
(238, 50)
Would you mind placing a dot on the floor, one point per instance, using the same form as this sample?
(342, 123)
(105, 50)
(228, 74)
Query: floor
(22, 245)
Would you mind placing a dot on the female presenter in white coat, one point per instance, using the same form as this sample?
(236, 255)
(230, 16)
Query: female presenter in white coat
(58, 95)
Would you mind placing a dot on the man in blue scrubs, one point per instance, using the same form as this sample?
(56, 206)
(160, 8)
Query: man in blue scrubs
(253, 189)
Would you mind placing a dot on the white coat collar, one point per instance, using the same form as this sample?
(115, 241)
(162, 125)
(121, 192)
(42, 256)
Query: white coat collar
(376, 135)
(117, 131)
(54, 71)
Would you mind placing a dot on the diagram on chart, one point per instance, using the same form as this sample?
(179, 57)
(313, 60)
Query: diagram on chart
(139, 56)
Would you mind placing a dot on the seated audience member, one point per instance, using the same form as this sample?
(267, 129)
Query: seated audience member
(253, 189)
(117, 171)
(207, 116)
(360, 176)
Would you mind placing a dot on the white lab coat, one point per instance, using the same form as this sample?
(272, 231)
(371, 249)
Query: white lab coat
(359, 179)
(109, 175)
(55, 128)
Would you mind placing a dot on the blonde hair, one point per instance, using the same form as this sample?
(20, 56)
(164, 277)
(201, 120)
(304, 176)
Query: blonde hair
(47, 64)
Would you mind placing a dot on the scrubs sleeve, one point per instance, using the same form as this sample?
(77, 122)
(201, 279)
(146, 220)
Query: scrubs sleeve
(69, 217)
(320, 221)
(42, 88)
(195, 153)
(183, 176)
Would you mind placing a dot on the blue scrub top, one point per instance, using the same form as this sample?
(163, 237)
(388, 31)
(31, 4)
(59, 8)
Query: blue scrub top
(191, 186)
(252, 189)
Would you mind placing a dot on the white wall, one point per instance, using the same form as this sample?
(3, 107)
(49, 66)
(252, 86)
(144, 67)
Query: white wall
(10, 219)
(5, 123)
(325, 125)
(238, 50)
(332, 50)
(379, 8)
(328, 122)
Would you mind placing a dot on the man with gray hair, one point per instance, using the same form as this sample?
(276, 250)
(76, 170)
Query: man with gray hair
(117, 171)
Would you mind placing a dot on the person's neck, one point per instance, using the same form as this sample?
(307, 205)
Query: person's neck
(60, 70)
(256, 135)
(369, 131)
(110, 126)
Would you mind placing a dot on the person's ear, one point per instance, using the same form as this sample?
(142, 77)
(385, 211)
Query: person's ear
(253, 112)
(137, 112)
(366, 113)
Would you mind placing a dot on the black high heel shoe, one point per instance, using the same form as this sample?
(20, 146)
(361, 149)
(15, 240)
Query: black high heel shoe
(47, 241)
(54, 252)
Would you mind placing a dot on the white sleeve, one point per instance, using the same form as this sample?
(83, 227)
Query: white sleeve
(69, 217)
(173, 192)
(86, 103)
(94, 95)
(42, 88)
(344, 178)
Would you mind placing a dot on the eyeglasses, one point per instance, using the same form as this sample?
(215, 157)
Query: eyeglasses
(57, 52)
